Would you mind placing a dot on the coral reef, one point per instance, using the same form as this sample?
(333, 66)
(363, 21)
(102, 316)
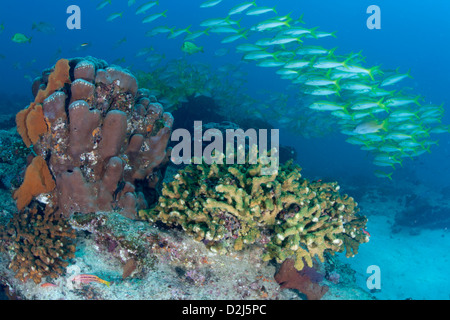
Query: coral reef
(233, 206)
(39, 242)
(99, 140)
(113, 234)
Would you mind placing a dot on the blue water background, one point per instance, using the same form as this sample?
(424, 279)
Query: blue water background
(415, 36)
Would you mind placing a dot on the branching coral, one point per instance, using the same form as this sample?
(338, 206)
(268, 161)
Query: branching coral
(40, 244)
(290, 216)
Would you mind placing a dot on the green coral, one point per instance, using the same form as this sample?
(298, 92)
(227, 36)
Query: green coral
(226, 205)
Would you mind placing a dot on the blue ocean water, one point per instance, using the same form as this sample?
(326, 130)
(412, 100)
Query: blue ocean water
(414, 35)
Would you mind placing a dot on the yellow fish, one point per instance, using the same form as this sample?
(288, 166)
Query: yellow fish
(88, 278)
(21, 38)
(191, 48)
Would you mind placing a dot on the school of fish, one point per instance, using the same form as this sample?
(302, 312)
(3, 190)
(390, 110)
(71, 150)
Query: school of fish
(367, 104)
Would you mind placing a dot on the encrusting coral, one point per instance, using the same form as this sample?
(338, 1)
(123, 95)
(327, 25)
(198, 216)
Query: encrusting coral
(31, 123)
(40, 244)
(100, 137)
(306, 281)
(235, 205)
(38, 179)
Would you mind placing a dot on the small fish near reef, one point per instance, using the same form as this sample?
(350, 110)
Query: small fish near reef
(83, 46)
(191, 48)
(365, 232)
(88, 278)
(21, 38)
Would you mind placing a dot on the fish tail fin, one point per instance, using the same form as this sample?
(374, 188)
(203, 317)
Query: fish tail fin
(372, 70)
(274, 9)
(333, 34)
(275, 55)
(164, 13)
(344, 64)
(312, 32)
(360, 56)
(345, 107)
(409, 74)
(384, 125)
(384, 107)
(416, 100)
(300, 20)
(331, 52)
(313, 59)
(427, 148)
(336, 83)
(383, 174)
(288, 17)
(238, 22)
